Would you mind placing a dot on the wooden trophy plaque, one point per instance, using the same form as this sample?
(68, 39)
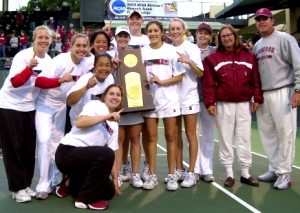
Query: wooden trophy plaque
(133, 78)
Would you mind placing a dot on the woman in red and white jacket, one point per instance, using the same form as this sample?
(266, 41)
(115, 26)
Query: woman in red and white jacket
(3, 41)
(230, 81)
(23, 40)
(17, 111)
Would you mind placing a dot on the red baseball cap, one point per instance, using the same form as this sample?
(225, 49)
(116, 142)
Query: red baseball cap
(263, 12)
(205, 26)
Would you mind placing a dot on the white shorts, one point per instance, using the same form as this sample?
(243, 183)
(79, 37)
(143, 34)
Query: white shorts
(193, 109)
(170, 112)
(131, 119)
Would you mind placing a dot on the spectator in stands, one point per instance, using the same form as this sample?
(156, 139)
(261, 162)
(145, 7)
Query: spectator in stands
(88, 33)
(71, 26)
(167, 38)
(23, 40)
(190, 37)
(7, 30)
(66, 46)
(52, 24)
(14, 44)
(61, 31)
(58, 47)
(19, 18)
(32, 20)
(3, 41)
(71, 34)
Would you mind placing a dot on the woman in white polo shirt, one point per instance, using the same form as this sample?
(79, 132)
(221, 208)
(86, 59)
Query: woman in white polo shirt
(130, 127)
(164, 72)
(189, 55)
(86, 154)
(56, 80)
(17, 112)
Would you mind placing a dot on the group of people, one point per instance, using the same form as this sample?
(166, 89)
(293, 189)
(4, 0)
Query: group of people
(11, 44)
(195, 84)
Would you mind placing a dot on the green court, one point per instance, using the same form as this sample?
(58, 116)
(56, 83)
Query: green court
(204, 197)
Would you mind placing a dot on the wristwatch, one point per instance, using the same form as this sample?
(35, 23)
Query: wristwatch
(297, 90)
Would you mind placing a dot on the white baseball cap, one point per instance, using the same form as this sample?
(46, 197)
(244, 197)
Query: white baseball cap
(122, 28)
(135, 11)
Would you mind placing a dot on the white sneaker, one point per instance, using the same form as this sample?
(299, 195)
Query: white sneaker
(283, 181)
(179, 175)
(120, 182)
(145, 172)
(126, 171)
(136, 180)
(151, 182)
(172, 184)
(268, 176)
(208, 178)
(21, 196)
(189, 180)
(197, 176)
(30, 192)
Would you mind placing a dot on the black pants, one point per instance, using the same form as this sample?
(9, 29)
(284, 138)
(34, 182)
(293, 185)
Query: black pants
(89, 169)
(68, 125)
(18, 137)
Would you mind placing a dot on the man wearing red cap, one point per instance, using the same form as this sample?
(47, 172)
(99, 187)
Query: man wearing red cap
(278, 55)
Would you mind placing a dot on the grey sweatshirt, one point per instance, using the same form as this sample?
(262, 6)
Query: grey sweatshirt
(278, 57)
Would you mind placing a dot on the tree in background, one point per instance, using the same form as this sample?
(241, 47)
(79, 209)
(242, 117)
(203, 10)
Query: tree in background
(52, 5)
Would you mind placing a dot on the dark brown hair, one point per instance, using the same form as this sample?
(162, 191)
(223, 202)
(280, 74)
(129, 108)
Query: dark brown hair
(156, 22)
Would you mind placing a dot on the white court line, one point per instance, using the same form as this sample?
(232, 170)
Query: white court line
(263, 156)
(251, 208)
(260, 155)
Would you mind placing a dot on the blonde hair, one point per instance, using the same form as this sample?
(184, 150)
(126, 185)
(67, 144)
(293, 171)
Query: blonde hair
(39, 28)
(79, 35)
(184, 26)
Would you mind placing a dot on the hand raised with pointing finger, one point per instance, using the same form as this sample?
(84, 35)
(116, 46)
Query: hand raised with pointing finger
(33, 62)
(116, 61)
(155, 79)
(115, 116)
(107, 27)
(182, 58)
(67, 77)
(92, 81)
(249, 45)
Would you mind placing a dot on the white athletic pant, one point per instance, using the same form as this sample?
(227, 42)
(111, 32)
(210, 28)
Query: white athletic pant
(277, 128)
(50, 126)
(204, 162)
(233, 120)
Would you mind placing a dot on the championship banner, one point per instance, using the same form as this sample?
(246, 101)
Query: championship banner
(150, 9)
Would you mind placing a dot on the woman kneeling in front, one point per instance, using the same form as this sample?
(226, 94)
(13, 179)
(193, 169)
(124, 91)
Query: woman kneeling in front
(86, 154)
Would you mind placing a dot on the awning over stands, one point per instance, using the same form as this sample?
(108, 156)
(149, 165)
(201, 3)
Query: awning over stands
(243, 7)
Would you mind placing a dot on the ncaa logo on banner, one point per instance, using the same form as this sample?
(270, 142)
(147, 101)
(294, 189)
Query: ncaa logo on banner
(118, 7)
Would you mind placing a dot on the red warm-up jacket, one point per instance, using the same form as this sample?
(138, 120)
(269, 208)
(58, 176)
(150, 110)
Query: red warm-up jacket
(231, 77)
